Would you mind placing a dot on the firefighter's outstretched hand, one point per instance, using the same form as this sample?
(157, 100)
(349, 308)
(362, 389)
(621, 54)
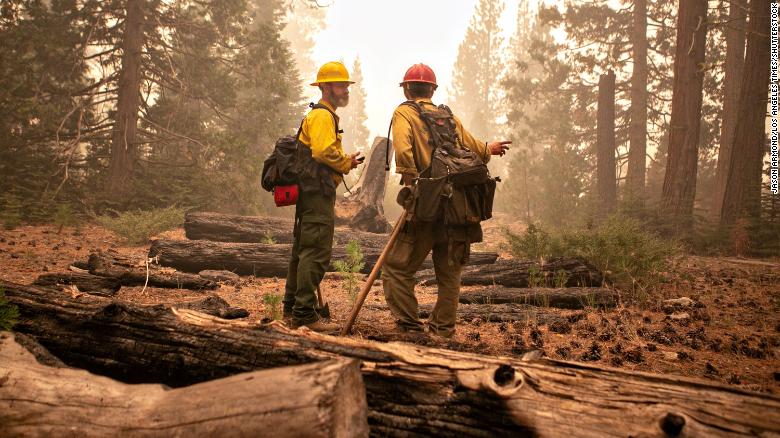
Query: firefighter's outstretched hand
(356, 160)
(499, 147)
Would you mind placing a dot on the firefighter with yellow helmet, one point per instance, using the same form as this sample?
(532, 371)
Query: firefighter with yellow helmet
(324, 163)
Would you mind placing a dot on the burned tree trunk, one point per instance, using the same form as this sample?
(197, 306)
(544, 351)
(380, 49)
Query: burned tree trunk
(732, 78)
(605, 149)
(84, 281)
(507, 312)
(569, 272)
(216, 306)
(561, 298)
(322, 399)
(410, 390)
(256, 259)
(742, 195)
(112, 265)
(501, 313)
(679, 186)
(363, 209)
(219, 227)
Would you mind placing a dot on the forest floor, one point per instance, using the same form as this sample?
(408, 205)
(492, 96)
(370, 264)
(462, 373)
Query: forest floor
(731, 337)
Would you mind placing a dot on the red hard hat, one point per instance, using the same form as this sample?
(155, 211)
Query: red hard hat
(419, 73)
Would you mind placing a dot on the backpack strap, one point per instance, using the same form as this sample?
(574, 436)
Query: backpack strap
(431, 129)
(315, 106)
(387, 144)
(452, 120)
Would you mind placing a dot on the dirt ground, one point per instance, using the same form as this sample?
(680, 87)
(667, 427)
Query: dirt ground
(731, 337)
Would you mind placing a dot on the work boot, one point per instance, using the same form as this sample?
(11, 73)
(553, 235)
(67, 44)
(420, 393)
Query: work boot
(287, 317)
(321, 326)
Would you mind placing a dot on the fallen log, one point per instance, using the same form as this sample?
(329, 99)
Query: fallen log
(84, 281)
(508, 312)
(113, 265)
(502, 313)
(570, 272)
(561, 298)
(322, 399)
(219, 227)
(411, 390)
(215, 306)
(258, 259)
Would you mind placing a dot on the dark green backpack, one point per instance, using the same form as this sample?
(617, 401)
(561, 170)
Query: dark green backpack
(456, 188)
(291, 163)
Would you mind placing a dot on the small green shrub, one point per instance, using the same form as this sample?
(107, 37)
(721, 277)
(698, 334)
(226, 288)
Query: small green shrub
(268, 238)
(11, 213)
(561, 278)
(630, 256)
(534, 243)
(9, 313)
(349, 269)
(138, 226)
(64, 217)
(535, 278)
(273, 304)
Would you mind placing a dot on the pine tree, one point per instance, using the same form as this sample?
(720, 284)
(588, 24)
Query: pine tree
(742, 198)
(42, 79)
(679, 188)
(226, 142)
(516, 195)
(353, 117)
(548, 171)
(476, 74)
(212, 89)
(733, 70)
(303, 21)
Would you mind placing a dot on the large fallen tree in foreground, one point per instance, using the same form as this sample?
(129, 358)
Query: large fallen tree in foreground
(321, 399)
(411, 390)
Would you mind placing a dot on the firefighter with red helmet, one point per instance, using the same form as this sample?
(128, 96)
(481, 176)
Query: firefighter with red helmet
(413, 148)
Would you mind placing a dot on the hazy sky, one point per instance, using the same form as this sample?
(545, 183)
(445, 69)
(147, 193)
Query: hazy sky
(390, 36)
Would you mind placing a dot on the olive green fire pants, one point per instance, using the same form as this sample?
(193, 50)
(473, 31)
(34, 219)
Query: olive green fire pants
(405, 258)
(311, 252)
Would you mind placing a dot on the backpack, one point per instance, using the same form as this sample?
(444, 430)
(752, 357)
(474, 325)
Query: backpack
(456, 188)
(291, 163)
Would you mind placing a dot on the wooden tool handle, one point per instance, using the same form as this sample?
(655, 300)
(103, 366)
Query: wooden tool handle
(372, 276)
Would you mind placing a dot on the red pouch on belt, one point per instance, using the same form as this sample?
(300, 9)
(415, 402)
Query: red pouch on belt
(286, 195)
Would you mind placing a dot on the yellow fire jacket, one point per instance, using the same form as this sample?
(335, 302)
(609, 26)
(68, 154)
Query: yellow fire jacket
(409, 131)
(319, 134)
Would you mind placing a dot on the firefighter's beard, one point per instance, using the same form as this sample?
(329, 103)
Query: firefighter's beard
(341, 101)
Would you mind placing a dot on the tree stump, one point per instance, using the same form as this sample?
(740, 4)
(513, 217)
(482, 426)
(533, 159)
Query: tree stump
(364, 208)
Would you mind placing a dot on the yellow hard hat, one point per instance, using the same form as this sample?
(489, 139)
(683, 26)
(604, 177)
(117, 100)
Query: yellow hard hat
(332, 72)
